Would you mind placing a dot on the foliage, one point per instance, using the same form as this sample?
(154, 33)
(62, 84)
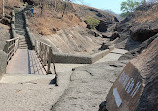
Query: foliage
(92, 22)
(129, 6)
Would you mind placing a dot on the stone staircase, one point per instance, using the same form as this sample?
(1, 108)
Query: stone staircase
(25, 60)
(21, 31)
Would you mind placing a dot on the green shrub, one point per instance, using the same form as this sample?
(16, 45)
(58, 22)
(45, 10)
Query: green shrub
(92, 22)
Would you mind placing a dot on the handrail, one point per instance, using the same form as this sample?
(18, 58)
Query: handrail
(12, 46)
(44, 52)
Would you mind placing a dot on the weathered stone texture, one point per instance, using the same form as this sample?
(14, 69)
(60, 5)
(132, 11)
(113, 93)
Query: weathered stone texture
(3, 63)
(136, 87)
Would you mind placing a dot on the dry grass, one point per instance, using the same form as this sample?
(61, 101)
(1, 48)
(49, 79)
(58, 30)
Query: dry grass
(51, 22)
(9, 5)
(147, 16)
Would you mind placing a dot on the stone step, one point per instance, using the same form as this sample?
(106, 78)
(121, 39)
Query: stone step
(20, 26)
(23, 40)
(23, 47)
(21, 78)
(20, 32)
(22, 43)
(20, 29)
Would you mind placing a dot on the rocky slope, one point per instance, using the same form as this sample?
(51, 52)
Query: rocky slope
(138, 30)
(135, 88)
(4, 35)
(106, 19)
(65, 39)
(76, 40)
(74, 15)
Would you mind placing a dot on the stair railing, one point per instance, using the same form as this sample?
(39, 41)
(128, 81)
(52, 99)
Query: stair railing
(44, 52)
(12, 46)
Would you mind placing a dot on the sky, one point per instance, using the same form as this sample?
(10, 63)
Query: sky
(113, 5)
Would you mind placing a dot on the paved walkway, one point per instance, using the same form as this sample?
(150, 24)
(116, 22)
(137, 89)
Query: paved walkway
(25, 62)
(21, 92)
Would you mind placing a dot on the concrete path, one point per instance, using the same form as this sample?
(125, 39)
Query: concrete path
(19, 63)
(25, 62)
(31, 92)
(114, 55)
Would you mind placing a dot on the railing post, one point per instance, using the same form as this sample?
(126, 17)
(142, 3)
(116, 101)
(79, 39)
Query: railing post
(49, 60)
(7, 51)
(35, 46)
(17, 43)
(12, 46)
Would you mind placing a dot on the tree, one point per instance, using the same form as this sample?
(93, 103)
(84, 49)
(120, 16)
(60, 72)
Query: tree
(129, 6)
(92, 22)
(3, 8)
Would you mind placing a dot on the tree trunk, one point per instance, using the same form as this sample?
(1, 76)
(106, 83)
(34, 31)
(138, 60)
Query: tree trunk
(144, 3)
(3, 8)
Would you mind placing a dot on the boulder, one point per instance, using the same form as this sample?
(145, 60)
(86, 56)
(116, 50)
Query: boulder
(94, 33)
(3, 63)
(111, 35)
(89, 27)
(111, 27)
(102, 27)
(114, 36)
(107, 35)
(136, 87)
(144, 31)
(5, 21)
(104, 46)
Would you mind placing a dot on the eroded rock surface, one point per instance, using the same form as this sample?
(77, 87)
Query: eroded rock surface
(76, 40)
(135, 89)
(88, 87)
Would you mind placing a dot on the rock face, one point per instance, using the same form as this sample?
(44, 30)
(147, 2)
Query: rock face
(3, 63)
(95, 33)
(76, 40)
(133, 53)
(136, 87)
(102, 27)
(144, 31)
(4, 35)
(138, 26)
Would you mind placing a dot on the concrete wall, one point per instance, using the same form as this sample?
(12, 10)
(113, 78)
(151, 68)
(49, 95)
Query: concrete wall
(79, 59)
(71, 58)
